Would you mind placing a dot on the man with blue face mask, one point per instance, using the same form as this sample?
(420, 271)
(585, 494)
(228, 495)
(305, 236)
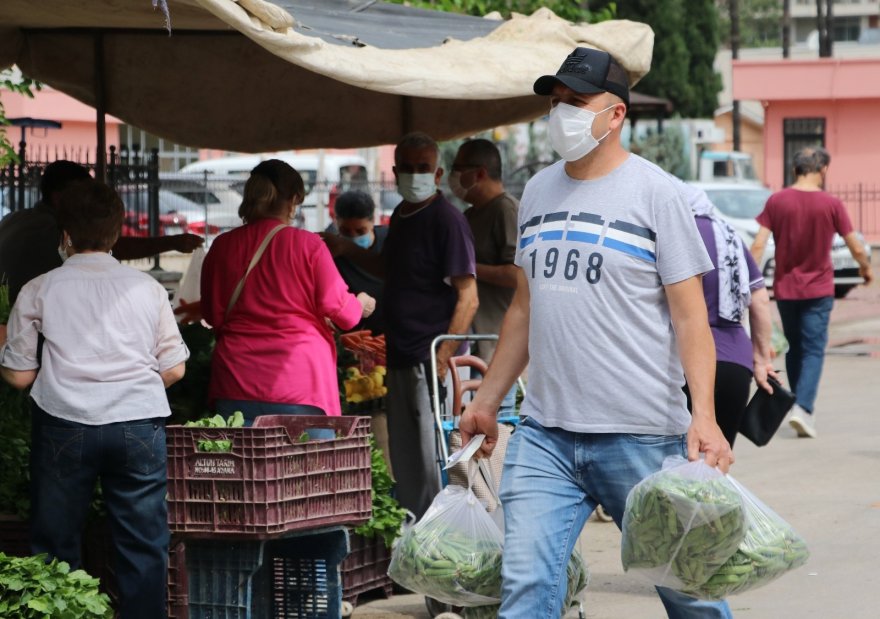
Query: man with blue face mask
(353, 220)
(428, 267)
(610, 316)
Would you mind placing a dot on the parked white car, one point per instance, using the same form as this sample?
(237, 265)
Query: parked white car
(740, 203)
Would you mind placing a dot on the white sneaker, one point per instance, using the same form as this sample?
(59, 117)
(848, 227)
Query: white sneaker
(802, 422)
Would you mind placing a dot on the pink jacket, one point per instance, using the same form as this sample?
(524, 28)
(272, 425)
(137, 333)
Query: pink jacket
(275, 345)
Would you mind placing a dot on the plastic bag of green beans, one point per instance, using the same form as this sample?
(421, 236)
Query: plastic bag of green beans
(453, 554)
(770, 548)
(578, 578)
(681, 524)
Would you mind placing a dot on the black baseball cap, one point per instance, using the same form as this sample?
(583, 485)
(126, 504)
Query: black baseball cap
(587, 71)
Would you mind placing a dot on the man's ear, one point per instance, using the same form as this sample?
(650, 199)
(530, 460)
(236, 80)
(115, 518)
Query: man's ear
(438, 175)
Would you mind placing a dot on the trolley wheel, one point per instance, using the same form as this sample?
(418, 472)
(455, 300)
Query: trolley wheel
(602, 515)
(346, 609)
(441, 610)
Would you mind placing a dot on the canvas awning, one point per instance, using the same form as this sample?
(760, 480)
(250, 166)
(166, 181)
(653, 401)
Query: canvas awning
(254, 75)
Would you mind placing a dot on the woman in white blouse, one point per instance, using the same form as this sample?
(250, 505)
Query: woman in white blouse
(110, 348)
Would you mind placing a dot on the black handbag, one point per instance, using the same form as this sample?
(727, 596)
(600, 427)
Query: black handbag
(765, 412)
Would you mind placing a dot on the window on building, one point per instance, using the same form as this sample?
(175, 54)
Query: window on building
(172, 156)
(847, 28)
(798, 133)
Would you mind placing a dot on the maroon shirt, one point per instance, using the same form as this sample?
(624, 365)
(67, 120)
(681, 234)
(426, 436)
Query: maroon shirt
(803, 224)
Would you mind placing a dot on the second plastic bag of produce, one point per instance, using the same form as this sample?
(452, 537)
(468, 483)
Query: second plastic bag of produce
(681, 525)
(453, 554)
(770, 548)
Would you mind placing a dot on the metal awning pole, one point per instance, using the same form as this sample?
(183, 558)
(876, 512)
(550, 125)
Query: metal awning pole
(100, 108)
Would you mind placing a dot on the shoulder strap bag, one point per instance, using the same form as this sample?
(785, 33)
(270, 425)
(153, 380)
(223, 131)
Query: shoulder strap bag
(257, 255)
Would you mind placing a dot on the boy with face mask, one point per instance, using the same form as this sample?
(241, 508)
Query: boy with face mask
(354, 212)
(608, 310)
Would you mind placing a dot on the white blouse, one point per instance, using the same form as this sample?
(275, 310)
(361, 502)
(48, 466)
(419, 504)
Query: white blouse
(109, 331)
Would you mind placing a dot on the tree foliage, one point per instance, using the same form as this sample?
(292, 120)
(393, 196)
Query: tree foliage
(666, 149)
(686, 38)
(12, 82)
(760, 23)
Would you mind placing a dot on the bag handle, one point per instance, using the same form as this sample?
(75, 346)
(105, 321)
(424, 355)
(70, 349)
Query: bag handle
(257, 255)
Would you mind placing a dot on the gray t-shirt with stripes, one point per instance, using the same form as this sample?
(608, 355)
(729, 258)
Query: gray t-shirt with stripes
(596, 254)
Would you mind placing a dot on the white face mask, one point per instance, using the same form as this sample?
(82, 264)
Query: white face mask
(455, 186)
(416, 188)
(571, 131)
(62, 253)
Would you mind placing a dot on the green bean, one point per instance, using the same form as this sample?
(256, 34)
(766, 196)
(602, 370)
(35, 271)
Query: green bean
(680, 531)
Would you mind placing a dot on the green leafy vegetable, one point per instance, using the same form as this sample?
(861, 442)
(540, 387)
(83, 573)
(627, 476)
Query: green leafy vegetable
(388, 516)
(236, 420)
(31, 588)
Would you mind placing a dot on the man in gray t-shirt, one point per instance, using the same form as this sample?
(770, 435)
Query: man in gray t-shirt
(609, 314)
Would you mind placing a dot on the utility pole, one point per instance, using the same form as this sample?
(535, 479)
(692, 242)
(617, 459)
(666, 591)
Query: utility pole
(786, 28)
(824, 17)
(734, 55)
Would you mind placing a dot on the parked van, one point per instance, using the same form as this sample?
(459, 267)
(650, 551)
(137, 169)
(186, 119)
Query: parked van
(324, 177)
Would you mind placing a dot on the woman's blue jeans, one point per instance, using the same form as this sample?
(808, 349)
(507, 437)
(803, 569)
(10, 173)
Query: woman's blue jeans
(130, 460)
(805, 324)
(552, 481)
(251, 409)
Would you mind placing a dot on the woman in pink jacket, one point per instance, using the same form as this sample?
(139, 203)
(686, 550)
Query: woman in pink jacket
(275, 351)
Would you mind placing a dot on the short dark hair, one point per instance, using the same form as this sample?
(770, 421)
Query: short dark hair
(416, 140)
(59, 174)
(271, 185)
(91, 213)
(354, 204)
(484, 153)
(810, 160)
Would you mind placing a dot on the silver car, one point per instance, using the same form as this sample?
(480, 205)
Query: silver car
(739, 204)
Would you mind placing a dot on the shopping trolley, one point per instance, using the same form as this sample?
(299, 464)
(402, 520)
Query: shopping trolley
(446, 418)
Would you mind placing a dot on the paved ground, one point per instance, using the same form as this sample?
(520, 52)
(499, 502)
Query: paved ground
(828, 489)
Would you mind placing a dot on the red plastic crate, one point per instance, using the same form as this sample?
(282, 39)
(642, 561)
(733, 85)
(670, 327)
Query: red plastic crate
(366, 568)
(269, 483)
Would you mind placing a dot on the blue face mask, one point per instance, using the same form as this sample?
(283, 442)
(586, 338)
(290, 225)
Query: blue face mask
(364, 241)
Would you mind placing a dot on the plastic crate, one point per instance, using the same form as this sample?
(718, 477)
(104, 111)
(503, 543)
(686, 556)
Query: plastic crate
(178, 582)
(305, 575)
(221, 580)
(366, 568)
(269, 483)
(296, 577)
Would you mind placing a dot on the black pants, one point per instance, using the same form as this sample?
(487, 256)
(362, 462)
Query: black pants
(732, 385)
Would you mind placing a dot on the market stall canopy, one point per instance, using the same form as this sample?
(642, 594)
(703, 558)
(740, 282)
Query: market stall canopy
(254, 75)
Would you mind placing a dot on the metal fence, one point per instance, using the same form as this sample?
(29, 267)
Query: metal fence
(862, 201)
(135, 175)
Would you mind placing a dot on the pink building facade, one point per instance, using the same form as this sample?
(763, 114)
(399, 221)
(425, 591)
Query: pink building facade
(832, 102)
(74, 139)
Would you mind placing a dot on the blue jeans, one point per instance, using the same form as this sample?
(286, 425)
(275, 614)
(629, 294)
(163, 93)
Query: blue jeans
(130, 460)
(251, 409)
(805, 323)
(552, 481)
(508, 404)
